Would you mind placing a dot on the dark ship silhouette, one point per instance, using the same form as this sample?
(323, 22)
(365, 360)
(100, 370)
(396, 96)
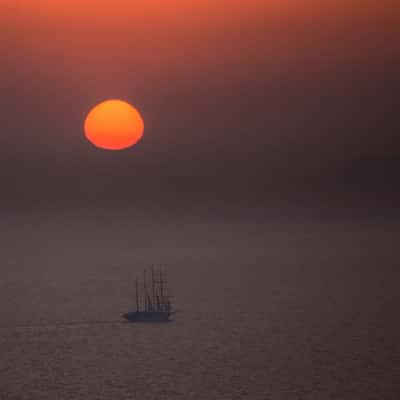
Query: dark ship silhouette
(154, 304)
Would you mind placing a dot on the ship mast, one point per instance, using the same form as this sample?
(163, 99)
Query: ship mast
(145, 291)
(153, 286)
(137, 295)
(161, 287)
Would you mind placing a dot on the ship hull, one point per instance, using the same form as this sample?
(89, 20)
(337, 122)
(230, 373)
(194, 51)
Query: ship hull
(147, 316)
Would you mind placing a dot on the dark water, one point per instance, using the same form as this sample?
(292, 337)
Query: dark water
(267, 310)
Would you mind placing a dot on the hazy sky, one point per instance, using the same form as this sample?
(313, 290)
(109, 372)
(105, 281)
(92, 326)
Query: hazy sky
(229, 90)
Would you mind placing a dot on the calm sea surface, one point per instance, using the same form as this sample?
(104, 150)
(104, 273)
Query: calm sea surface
(266, 310)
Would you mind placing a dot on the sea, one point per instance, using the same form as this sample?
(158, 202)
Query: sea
(266, 307)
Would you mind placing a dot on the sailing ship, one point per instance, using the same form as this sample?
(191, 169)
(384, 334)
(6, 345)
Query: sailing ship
(153, 304)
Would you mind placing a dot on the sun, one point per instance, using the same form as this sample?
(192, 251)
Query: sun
(114, 125)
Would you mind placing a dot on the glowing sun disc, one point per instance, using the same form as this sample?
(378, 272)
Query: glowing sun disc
(114, 125)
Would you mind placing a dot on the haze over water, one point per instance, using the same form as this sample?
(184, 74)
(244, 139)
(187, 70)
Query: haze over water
(266, 308)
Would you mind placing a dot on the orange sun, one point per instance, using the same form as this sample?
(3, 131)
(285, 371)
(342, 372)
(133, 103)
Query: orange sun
(114, 125)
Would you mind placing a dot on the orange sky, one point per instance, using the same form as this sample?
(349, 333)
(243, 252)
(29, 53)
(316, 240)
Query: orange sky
(101, 49)
(178, 37)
